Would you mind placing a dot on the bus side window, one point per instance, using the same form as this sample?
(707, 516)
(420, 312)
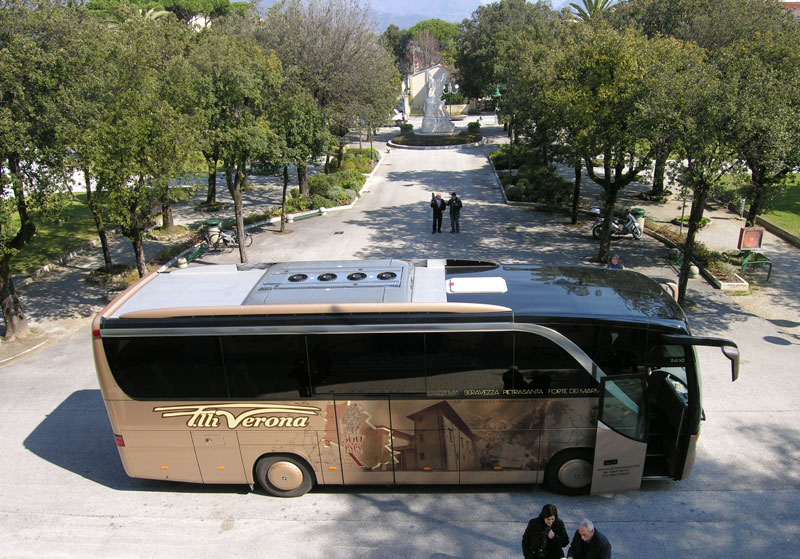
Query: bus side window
(469, 363)
(266, 366)
(367, 363)
(544, 365)
(167, 367)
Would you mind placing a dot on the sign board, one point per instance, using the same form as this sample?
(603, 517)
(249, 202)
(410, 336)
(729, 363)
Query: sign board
(750, 238)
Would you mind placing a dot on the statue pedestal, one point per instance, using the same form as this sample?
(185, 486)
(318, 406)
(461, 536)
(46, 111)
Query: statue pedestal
(433, 125)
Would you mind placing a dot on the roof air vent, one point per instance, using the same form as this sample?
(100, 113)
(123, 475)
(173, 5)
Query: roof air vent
(386, 275)
(298, 277)
(356, 276)
(326, 277)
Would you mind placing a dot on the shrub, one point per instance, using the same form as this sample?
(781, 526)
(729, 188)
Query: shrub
(406, 128)
(514, 193)
(321, 183)
(350, 179)
(703, 221)
(499, 160)
(474, 126)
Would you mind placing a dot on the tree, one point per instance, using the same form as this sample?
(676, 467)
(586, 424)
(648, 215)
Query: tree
(445, 33)
(486, 39)
(766, 113)
(329, 49)
(591, 9)
(303, 132)
(82, 104)
(236, 82)
(602, 79)
(424, 51)
(34, 45)
(143, 134)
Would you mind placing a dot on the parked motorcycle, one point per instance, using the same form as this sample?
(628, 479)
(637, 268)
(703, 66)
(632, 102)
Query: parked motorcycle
(619, 226)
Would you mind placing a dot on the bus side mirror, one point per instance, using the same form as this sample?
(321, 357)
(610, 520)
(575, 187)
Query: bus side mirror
(732, 353)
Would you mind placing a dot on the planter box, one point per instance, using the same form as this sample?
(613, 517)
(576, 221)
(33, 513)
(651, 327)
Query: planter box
(739, 285)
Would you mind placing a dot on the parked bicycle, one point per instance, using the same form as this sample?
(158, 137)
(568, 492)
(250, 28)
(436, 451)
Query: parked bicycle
(217, 239)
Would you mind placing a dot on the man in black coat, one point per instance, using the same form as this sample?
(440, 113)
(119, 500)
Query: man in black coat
(589, 543)
(438, 206)
(455, 212)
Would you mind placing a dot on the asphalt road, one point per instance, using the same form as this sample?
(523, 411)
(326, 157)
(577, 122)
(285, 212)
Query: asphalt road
(63, 492)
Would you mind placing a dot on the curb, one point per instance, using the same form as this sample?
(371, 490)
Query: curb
(455, 146)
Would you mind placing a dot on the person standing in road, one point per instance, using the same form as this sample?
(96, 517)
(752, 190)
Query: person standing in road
(438, 206)
(589, 543)
(455, 212)
(545, 536)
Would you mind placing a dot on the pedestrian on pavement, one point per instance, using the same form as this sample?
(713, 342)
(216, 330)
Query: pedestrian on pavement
(438, 206)
(589, 543)
(455, 206)
(545, 536)
(615, 263)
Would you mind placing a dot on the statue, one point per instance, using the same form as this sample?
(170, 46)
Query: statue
(436, 119)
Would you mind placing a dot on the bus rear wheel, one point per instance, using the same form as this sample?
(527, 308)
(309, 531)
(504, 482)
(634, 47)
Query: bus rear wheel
(570, 472)
(284, 476)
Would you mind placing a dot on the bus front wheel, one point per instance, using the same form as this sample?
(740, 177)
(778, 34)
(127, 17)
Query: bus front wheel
(284, 476)
(570, 471)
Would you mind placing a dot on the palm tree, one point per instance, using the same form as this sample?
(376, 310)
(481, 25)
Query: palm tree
(590, 8)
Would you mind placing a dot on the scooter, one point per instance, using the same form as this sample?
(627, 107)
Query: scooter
(618, 227)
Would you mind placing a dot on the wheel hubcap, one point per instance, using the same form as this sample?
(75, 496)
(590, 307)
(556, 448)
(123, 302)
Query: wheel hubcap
(575, 473)
(285, 476)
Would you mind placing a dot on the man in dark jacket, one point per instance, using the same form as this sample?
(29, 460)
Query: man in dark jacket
(589, 543)
(455, 212)
(438, 206)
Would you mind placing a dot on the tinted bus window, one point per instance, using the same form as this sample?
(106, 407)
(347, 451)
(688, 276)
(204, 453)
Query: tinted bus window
(266, 366)
(367, 363)
(167, 368)
(468, 363)
(546, 366)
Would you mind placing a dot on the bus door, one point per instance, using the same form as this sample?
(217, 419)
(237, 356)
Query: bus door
(621, 444)
(365, 439)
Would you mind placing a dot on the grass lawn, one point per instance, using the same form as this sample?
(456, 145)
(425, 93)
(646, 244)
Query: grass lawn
(786, 214)
(786, 207)
(55, 238)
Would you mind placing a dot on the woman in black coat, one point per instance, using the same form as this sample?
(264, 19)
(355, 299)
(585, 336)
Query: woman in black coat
(545, 536)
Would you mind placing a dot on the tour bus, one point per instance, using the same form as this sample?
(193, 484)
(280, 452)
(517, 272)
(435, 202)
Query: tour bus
(294, 374)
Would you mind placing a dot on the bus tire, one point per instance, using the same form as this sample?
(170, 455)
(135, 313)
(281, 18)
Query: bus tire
(282, 475)
(570, 471)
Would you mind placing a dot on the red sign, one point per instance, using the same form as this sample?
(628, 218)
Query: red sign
(750, 238)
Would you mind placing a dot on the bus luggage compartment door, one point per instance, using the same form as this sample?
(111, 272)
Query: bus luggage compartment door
(621, 445)
(218, 456)
(365, 440)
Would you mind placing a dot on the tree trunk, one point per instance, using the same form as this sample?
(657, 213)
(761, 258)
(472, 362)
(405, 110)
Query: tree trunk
(94, 207)
(695, 216)
(576, 192)
(302, 177)
(235, 177)
(212, 159)
(167, 218)
(137, 241)
(283, 196)
(16, 323)
(340, 155)
(659, 172)
(757, 175)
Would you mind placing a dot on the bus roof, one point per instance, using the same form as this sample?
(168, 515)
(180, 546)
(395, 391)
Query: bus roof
(529, 292)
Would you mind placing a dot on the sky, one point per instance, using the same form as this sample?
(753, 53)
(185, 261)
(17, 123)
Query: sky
(405, 13)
